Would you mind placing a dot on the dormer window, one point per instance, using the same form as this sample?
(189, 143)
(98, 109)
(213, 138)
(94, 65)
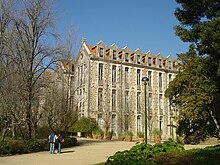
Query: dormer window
(149, 61)
(132, 57)
(127, 57)
(164, 63)
(160, 63)
(114, 55)
(101, 52)
(138, 59)
(154, 60)
(169, 64)
(144, 59)
(174, 64)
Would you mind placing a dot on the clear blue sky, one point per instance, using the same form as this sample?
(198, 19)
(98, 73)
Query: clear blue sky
(144, 24)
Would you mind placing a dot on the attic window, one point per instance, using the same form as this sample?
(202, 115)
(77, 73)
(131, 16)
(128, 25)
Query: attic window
(174, 64)
(154, 61)
(149, 61)
(72, 68)
(132, 57)
(138, 59)
(164, 63)
(107, 51)
(127, 57)
(169, 64)
(114, 55)
(160, 63)
(144, 59)
(120, 54)
(101, 52)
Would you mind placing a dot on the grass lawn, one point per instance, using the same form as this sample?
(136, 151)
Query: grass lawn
(207, 156)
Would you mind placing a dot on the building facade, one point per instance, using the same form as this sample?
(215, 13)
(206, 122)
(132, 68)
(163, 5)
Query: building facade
(108, 87)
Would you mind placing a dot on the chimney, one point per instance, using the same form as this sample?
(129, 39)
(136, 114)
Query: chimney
(83, 40)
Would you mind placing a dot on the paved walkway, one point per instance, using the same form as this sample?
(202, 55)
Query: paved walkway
(89, 152)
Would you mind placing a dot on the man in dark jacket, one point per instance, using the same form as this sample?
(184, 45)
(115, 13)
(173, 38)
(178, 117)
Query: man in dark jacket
(52, 138)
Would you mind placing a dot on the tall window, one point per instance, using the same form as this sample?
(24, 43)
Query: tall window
(114, 124)
(150, 102)
(81, 76)
(150, 79)
(127, 57)
(126, 77)
(126, 101)
(138, 124)
(84, 73)
(150, 123)
(161, 104)
(160, 82)
(138, 78)
(101, 52)
(138, 101)
(113, 75)
(126, 123)
(100, 122)
(114, 54)
(80, 100)
(170, 78)
(78, 75)
(100, 73)
(100, 99)
(113, 100)
(161, 123)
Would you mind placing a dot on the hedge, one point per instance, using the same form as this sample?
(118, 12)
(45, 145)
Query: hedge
(11, 146)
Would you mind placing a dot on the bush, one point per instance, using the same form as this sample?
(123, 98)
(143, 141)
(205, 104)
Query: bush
(208, 155)
(142, 152)
(129, 134)
(84, 125)
(69, 142)
(140, 134)
(10, 146)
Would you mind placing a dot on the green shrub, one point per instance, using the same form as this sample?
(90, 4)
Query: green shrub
(98, 131)
(142, 152)
(208, 155)
(69, 142)
(84, 124)
(10, 146)
(128, 134)
(140, 134)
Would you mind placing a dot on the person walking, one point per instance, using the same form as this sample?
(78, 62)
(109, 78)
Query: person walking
(60, 140)
(52, 138)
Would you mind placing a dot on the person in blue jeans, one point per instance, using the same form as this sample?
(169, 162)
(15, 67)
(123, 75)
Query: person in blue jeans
(52, 139)
(60, 140)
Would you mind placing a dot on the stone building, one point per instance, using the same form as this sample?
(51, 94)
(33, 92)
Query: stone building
(109, 88)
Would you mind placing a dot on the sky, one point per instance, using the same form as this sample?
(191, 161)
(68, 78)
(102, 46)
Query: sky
(144, 24)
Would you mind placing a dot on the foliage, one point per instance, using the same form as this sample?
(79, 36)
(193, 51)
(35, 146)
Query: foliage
(195, 131)
(195, 90)
(98, 131)
(157, 132)
(141, 152)
(128, 134)
(208, 155)
(11, 146)
(140, 134)
(109, 133)
(84, 124)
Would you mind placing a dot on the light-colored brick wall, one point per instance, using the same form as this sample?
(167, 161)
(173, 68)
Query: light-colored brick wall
(92, 60)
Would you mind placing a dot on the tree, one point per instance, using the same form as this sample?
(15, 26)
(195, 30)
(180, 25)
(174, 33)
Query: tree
(196, 88)
(34, 56)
